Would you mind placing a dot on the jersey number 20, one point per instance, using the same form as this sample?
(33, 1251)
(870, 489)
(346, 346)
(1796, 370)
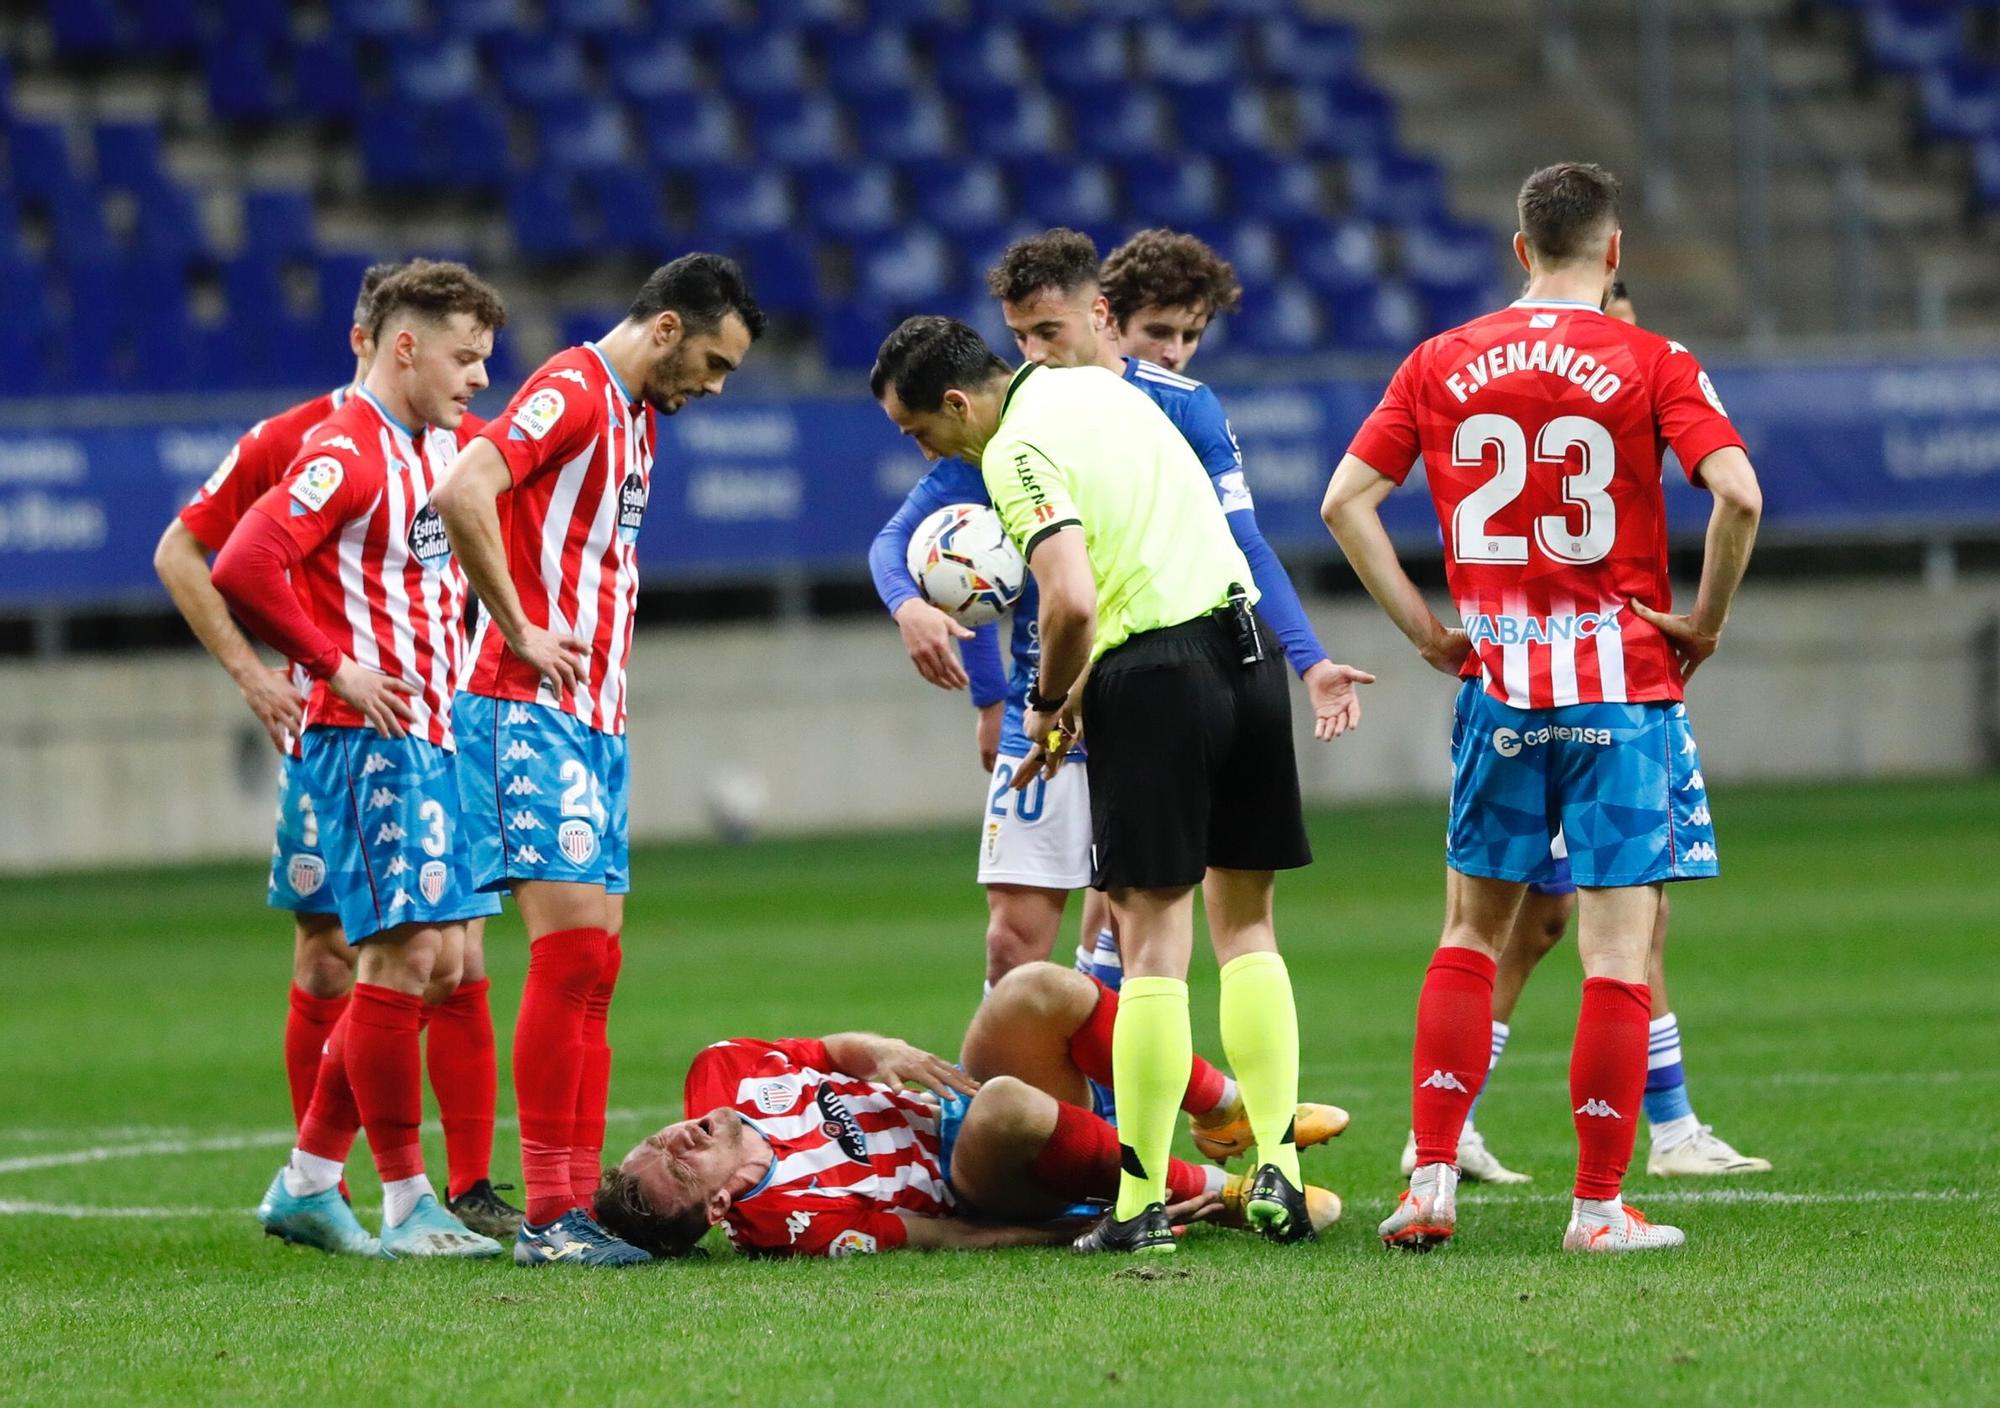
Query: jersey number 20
(1597, 526)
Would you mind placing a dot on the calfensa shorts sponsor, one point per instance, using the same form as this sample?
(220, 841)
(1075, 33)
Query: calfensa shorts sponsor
(539, 413)
(305, 874)
(317, 482)
(852, 1242)
(1506, 742)
(577, 840)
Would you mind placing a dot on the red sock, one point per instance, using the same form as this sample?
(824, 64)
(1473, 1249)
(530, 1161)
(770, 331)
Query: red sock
(1607, 1081)
(308, 1024)
(1090, 1048)
(385, 1067)
(586, 1146)
(331, 1121)
(1080, 1160)
(563, 969)
(1454, 1047)
(458, 1047)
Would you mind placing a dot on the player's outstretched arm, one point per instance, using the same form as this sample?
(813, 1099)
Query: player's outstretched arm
(181, 560)
(939, 1234)
(1732, 533)
(468, 500)
(868, 1056)
(1352, 512)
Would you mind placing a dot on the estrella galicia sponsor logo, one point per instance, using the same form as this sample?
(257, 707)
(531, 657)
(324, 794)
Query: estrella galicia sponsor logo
(431, 880)
(577, 840)
(837, 1123)
(631, 507)
(1487, 629)
(305, 874)
(428, 543)
(1507, 743)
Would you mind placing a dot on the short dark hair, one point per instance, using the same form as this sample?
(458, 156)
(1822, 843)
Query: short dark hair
(1168, 269)
(1565, 207)
(373, 278)
(1618, 291)
(1062, 259)
(704, 289)
(434, 289)
(622, 1210)
(927, 356)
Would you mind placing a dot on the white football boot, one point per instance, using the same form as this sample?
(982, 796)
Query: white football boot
(1426, 1214)
(1625, 1230)
(1704, 1155)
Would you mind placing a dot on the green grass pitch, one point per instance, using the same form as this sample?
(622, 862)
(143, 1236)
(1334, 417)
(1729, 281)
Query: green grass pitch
(1839, 992)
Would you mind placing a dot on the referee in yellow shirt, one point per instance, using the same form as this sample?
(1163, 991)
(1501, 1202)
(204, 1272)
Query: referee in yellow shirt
(1192, 777)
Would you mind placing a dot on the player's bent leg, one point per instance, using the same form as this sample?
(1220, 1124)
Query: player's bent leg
(1097, 943)
(1022, 924)
(1025, 1029)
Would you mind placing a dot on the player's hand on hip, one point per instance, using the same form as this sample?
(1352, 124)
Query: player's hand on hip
(899, 1063)
(276, 704)
(382, 701)
(1691, 644)
(987, 733)
(1336, 701)
(1445, 651)
(930, 636)
(558, 659)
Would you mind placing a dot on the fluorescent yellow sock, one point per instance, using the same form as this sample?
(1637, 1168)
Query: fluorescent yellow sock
(1152, 1055)
(1260, 1036)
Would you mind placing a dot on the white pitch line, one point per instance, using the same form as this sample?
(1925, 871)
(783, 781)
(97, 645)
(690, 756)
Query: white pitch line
(1757, 1196)
(10, 1208)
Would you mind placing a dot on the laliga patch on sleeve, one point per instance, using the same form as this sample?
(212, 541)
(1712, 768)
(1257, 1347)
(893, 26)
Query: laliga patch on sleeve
(851, 1243)
(215, 481)
(1708, 390)
(1234, 491)
(317, 482)
(540, 412)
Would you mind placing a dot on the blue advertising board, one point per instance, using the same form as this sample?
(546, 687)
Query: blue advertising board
(746, 488)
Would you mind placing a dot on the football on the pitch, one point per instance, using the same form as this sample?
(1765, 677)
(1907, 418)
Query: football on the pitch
(966, 564)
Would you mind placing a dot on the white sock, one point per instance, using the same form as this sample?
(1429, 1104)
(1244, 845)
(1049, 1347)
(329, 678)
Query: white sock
(1673, 1133)
(1213, 1178)
(400, 1198)
(1082, 960)
(307, 1174)
(1106, 954)
(986, 989)
(1230, 1095)
(1501, 1031)
(1598, 1210)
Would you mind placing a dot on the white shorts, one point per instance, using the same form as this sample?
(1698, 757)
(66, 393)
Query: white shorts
(1039, 836)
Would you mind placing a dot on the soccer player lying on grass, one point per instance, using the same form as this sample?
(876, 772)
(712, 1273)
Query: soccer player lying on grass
(818, 1148)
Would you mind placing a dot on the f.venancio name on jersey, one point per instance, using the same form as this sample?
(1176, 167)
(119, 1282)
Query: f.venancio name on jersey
(1598, 381)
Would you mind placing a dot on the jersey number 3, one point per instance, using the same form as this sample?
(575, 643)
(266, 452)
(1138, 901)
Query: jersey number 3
(1596, 528)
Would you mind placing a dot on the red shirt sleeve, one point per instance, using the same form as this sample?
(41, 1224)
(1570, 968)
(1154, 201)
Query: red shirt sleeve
(549, 421)
(325, 488)
(1387, 441)
(1688, 411)
(251, 573)
(244, 473)
(815, 1224)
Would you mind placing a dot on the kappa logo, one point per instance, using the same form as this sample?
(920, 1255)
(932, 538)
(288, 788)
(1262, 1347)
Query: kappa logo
(1443, 1080)
(528, 855)
(852, 1242)
(525, 820)
(523, 786)
(519, 751)
(430, 881)
(517, 714)
(796, 1224)
(837, 1123)
(1598, 1108)
(577, 841)
(391, 831)
(315, 485)
(375, 763)
(1694, 782)
(572, 374)
(305, 874)
(1701, 816)
(382, 797)
(400, 898)
(398, 866)
(341, 442)
(1699, 851)
(1687, 747)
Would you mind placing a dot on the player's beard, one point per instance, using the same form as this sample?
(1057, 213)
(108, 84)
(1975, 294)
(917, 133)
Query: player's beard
(672, 379)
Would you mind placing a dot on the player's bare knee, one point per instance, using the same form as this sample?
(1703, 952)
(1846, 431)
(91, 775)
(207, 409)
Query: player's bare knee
(1041, 991)
(322, 963)
(1008, 947)
(1004, 1104)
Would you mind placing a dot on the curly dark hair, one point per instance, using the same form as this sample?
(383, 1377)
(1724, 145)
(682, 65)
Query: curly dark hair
(1061, 258)
(433, 290)
(371, 279)
(621, 1209)
(1166, 269)
(927, 356)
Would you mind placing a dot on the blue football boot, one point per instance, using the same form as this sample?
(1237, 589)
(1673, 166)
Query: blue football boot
(574, 1239)
(431, 1231)
(323, 1220)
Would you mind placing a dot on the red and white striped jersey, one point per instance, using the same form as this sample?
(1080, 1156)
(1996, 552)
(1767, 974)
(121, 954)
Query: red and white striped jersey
(581, 452)
(257, 460)
(1541, 429)
(851, 1153)
(377, 571)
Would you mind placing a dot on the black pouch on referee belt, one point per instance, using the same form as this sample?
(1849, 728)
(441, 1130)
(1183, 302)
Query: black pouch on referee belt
(1237, 614)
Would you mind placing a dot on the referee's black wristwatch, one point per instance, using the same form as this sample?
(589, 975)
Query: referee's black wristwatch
(1041, 703)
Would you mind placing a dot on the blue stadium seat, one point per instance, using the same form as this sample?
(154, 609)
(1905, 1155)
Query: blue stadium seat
(687, 133)
(154, 294)
(80, 233)
(242, 79)
(900, 13)
(129, 155)
(631, 215)
(6, 86)
(326, 80)
(1450, 253)
(763, 61)
(593, 17)
(476, 148)
(12, 251)
(400, 149)
(437, 72)
(1128, 122)
(661, 66)
(1170, 190)
(477, 19)
(901, 124)
(858, 62)
(913, 267)
(376, 19)
(1052, 192)
(853, 203)
(38, 162)
(1908, 36)
(962, 199)
(1224, 119)
(1079, 58)
(1281, 318)
(1384, 318)
(1183, 52)
(580, 133)
(850, 333)
(1446, 306)
(168, 28)
(1339, 258)
(278, 223)
(1960, 100)
(1253, 246)
(535, 67)
(1349, 120)
(979, 58)
(576, 326)
(1309, 51)
(255, 19)
(1986, 173)
(337, 281)
(784, 270)
(740, 202)
(1010, 122)
(542, 212)
(27, 329)
(85, 29)
(798, 14)
(1395, 186)
(1285, 189)
(794, 129)
(168, 225)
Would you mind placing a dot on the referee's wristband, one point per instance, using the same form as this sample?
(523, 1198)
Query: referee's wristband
(1045, 704)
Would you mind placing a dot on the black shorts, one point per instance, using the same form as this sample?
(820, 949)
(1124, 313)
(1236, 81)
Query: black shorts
(1190, 760)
